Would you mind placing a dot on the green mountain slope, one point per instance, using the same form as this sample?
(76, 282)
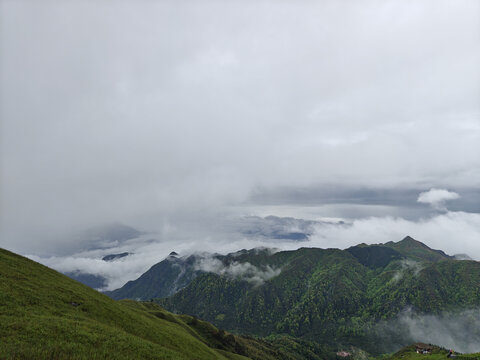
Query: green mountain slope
(46, 315)
(173, 274)
(417, 250)
(331, 296)
(374, 256)
(161, 280)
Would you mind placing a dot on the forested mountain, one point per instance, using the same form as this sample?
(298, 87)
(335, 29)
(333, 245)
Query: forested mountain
(302, 304)
(331, 296)
(161, 280)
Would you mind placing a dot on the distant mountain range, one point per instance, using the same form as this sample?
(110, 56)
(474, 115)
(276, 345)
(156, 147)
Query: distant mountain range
(332, 296)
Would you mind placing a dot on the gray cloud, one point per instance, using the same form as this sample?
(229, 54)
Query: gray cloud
(243, 271)
(453, 232)
(437, 197)
(274, 227)
(358, 195)
(407, 265)
(452, 330)
(168, 116)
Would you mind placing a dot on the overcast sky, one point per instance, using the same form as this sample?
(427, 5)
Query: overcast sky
(172, 116)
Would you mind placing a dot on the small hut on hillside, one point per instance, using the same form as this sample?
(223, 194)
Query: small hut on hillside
(422, 348)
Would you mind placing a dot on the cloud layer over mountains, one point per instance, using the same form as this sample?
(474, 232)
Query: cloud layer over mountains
(236, 270)
(452, 330)
(453, 232)
(437, 198)
(175, 117)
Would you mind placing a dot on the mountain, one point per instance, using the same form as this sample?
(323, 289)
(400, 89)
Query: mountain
(332, 296)
(374, 256)
(418, 251)
(113, 257)
(161, 280)
(312, 303)
(46, 315)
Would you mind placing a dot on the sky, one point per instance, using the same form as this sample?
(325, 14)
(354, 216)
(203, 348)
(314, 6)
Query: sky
(182, 118)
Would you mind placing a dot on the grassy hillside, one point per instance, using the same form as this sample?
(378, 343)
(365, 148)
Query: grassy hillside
(46, 315)
(438, 353)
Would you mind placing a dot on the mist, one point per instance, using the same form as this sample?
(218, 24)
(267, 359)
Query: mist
(235, 270)
(452, 330)
(227, 235)
(184, 119)
(406, 265)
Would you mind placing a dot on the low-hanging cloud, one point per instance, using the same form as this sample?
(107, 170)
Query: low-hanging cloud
(459, 330)
(116, 273)
(452, 232)
(236, 270)
(437, 198)
(407, 265)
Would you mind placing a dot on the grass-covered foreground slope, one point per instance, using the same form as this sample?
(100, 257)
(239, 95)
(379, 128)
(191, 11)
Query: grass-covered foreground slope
(46, 315)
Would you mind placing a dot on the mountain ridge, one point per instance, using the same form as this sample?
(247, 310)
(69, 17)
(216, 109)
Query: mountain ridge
(333, 296)
(162, 280)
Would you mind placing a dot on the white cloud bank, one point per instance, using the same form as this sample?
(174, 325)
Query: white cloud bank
(453, 330)
(452, 232)
(244, 271)
(437, 198)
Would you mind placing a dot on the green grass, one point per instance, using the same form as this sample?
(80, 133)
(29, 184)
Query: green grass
(46, 315)
(438, 353)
